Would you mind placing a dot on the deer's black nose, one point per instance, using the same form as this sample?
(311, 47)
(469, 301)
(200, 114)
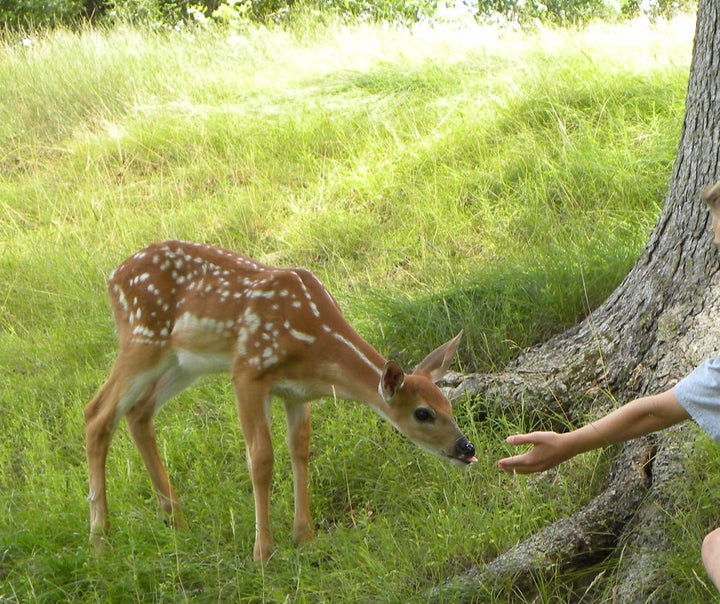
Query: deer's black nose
(465, 448)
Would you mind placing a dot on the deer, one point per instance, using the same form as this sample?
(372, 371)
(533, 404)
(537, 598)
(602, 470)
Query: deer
(184, 310)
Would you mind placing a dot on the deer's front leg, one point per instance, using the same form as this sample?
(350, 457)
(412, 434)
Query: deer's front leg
(253, 402)
(298, 421)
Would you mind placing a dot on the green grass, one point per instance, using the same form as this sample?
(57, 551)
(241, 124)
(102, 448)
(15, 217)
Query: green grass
(435, 179)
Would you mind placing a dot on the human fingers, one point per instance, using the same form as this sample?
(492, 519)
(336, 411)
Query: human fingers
(521, 439)
(522, 464)
(531, 461)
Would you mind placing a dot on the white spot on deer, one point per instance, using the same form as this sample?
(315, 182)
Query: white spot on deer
(269, 358)
(142, 330)
(259, 293)
(242, 339)
(303, 337)
(251, 320)
(352, 347)
(121, 297)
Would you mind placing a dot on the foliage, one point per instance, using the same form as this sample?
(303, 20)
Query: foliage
(553, 11)
(33, 14)
(394, 11)
(573, 11)
(18, 14)
(656, 8)
(434, 178)
(146, 12)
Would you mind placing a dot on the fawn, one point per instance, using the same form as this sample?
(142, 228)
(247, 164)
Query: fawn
(184, 310)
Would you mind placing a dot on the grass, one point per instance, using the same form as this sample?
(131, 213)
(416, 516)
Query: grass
(435, 179)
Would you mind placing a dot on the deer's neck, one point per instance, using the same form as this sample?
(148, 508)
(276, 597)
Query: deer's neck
(354, 367)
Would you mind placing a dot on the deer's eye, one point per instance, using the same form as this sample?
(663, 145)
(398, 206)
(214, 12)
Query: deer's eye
(423, 414)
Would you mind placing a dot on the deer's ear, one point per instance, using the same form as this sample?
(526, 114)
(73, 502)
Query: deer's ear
(393, 378)
(436, 364)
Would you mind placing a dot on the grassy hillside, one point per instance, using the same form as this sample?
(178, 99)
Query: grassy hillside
(435, 179)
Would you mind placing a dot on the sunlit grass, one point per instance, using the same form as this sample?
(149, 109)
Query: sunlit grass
(436, 179)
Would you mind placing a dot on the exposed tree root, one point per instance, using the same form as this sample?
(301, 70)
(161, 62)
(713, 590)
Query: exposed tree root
(581, 539)
(569, 378)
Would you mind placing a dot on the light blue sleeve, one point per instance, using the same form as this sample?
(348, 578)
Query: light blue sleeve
(699, 394)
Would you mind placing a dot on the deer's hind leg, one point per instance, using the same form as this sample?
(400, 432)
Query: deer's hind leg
(129, 380)
(99, 428)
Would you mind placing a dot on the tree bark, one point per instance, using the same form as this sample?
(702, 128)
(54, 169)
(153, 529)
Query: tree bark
(657, 325)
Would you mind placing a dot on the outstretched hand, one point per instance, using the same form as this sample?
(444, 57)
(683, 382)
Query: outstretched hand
(548, 450)
(636, 418)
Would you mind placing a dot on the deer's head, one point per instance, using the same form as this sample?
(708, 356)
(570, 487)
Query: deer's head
(419, 409)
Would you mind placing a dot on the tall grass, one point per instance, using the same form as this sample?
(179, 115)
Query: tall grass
(435, 179)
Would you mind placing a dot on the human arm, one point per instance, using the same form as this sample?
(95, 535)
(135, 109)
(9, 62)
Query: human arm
(636, 418)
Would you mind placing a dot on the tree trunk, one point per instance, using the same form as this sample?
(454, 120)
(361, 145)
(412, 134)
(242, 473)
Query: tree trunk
(656, 326)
